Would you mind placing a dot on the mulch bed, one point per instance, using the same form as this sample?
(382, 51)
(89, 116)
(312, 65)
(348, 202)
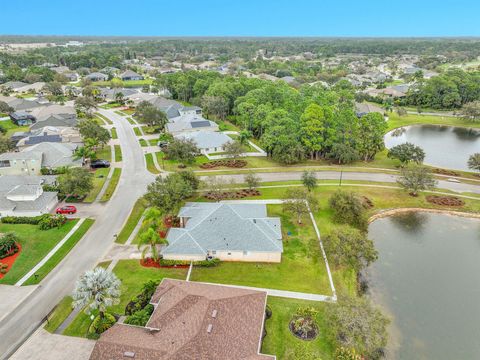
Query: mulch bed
(151, 263)
(10, 260)
(445, 172)
(445, 200)
(225, 163)
(240, 194)
(310, 336)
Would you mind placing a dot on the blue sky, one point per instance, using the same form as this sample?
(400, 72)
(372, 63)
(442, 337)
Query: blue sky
(242, 18)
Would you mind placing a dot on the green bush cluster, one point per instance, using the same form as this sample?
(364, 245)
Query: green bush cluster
(202, 263)
(140, 301)
(3, 268)
(56, 171)
(8, 245)
(44, 222)
(100, 324)
(140, 317)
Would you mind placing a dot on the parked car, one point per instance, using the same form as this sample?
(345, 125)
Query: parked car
(97, 164)
(68, 209)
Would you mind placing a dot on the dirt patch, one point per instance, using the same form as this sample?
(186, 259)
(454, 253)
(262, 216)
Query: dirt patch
(445, 200)
(7, 262)
(445, 172)
(224, 163)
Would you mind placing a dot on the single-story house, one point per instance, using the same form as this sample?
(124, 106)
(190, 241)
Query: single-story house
(24, 195)
(207, 141)
(97, 76)
(71, 76)
(48, 134)
(230, 232)
(130, 75)
(365, 108)
(54, 115)
(19, 104)
(110, 94)
(13, 85)
(20, 163)
(189, 123)
(22, 118)
(32, 88)
(192, 320)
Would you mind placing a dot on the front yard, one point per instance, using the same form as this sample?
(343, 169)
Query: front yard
(133, 276)
(302, 267)
(35, 245)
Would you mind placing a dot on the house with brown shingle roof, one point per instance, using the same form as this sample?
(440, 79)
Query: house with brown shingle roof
(192, 321)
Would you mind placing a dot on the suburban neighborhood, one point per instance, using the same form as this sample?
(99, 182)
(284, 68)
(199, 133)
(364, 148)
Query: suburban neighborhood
(238, 197)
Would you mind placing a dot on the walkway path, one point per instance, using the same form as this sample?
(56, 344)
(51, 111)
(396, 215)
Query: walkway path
(50, 254)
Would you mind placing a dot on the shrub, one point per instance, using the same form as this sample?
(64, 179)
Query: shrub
(140, 317)
(23, 219)
(99, 325)
(140, 301)
(8, 245)
(349, 208)
(52, 221)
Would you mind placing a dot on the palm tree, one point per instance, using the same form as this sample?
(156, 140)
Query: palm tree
(97, 289)
(150, 238)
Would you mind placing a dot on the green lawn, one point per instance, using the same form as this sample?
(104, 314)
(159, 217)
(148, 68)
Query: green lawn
(61, 253)
(113, 132)
(150, 164)
(59, 314)
(112, 185)
(129, 111)
(12, 128)
(395, 121)
(100, 176)
(118, 153)
(153, 142)
(106, 119)
(132, 276)
(132, 221)
(131, 121)
(137, 131)
(130, 83)
(35, 245)
(280, 341)
(143, 142)
(104, 153)
(302, 267)
(111, 105)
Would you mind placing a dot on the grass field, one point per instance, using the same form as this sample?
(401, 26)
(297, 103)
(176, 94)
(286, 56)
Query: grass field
(113, 132)
(112, 185)
(132, 221)
(61, 253)
(395, 121)
(99, 178)
(302, 267)
(12, 128)
(133, 276)
(118, 153)
(137, 131)
(127, 84)
(143, 142)
(106, 119)
(59, 314)
(150, 164)
(104, 153)
(280, 341)
(35, 245)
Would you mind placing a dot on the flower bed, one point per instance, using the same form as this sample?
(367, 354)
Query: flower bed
(445, 200)
(162, 263)
(240, 194)
(9, 262)
(225, 163)
(309, 334)
(445, 172)
(149, 262)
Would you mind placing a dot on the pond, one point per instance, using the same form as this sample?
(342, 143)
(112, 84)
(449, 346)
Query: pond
(445, 146)
(427, 279)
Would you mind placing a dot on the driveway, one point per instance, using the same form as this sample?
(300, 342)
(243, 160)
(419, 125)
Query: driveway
(110, 218)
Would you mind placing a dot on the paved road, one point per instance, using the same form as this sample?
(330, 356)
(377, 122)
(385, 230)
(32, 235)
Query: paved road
(18, 325)
(359, 176)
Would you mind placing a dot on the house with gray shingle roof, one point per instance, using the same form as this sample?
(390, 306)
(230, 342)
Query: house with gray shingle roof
(190, 122)
(97, 76)
(207, 141)
(230, 232)
(24, 195)
(130, 75)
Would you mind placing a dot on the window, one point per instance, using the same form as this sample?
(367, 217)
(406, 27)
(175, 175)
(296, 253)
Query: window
(229, 253)
(4, 163)
(214, 252)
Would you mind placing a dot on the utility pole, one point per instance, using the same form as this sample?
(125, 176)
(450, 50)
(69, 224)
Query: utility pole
(341, 175)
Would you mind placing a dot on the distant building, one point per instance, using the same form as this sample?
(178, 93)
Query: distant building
(365, 108)
(97, 76)
(130, 75)
(207, 141)
(22, 118)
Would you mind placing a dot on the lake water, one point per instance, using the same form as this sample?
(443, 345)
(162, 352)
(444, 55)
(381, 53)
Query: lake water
(427, 278)
(445, 146)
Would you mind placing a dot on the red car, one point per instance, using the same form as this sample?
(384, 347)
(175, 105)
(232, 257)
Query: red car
(68, 209)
